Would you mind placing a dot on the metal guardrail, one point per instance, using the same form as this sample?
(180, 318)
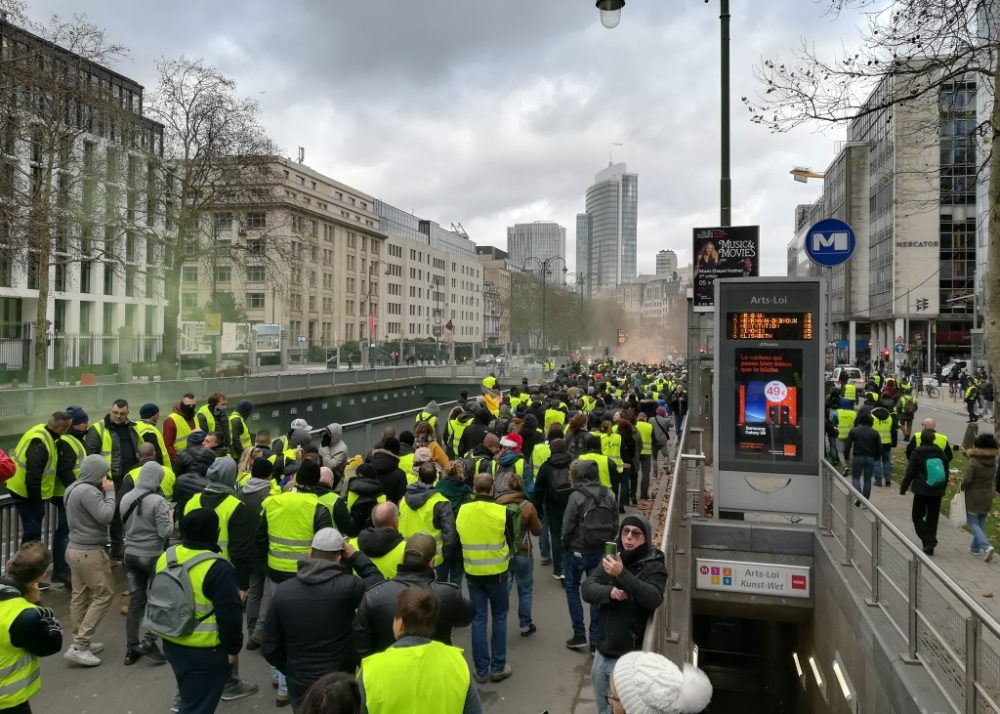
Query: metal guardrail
(685, 499)
(32, 402)
(945, 629)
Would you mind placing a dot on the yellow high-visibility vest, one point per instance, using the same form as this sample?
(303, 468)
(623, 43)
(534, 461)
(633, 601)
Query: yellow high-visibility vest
(845, 422)
(603, 471)
(387, 564)
(884, 429)
(290, 519)
(206, 412)
(80, 452)
(142, 428)
(206, 633)
(245, 442)
(182, 433)
(225, 509)
(20, 673)
(402, 680)
(16, 483)
(482, 529)
(421, 520)
(645, 430)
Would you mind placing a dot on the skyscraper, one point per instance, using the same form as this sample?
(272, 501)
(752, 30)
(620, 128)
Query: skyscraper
(541, 240)
(666, 262)
(606, 234)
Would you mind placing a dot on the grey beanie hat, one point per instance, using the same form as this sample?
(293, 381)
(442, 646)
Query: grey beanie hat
(93, 468)
(648, 683)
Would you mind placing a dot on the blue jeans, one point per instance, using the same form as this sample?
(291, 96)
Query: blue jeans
(977, 523)
(276, 674)
(521, 567)
(883, 467)
(544, 544)
(862, 468)
(489, 654)
(201, 675)
(555, 537)
(832, 443)
(577, 566)
(600, 677)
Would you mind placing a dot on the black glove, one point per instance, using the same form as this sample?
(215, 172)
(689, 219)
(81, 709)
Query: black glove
(50, 620)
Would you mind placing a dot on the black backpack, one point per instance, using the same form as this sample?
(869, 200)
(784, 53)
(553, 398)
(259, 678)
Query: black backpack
(600, 520)
(361, 511)
(559, 483)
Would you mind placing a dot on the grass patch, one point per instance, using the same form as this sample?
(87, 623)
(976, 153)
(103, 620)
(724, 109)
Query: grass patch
(955, 475)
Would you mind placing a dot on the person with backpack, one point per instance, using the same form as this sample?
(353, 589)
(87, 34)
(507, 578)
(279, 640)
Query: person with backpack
(364, 491)
(90, 509)
(509, 463)
(552, 490)
(307, 630)
(426, 510)
(453, 486)
(627, 588)
(928, 475)
(486, 532)
(590, 521)
(148, 523)
(527, 523)
(194, 606)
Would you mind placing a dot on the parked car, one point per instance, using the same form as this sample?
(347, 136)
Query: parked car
(854, 375)
(223, 368)
(485, 360)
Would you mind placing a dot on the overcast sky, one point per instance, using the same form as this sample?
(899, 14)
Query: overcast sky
(492, 113)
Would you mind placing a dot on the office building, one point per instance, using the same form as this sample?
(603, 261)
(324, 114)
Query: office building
(666, 262)
(498, 270)
(105, 263)
(530, 245)
(606, 237)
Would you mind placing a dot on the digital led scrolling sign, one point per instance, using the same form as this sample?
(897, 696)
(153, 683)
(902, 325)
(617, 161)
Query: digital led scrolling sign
(770, 326)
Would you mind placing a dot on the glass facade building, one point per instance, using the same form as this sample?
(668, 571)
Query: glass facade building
(608, 240)
(541, 240)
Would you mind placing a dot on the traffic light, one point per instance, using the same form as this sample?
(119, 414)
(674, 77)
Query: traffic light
(885, 353)
(922, 304)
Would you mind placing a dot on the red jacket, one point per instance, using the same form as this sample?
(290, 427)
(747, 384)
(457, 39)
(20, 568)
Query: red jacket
(7, 466)
(170, 430)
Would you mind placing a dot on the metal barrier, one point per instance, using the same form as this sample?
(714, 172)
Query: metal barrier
(684, 500)
(945, 629)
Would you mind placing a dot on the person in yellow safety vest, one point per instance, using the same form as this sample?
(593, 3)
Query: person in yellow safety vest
(906, 409)
(240, 436)
(645, 431)
(211, 415)
(844, 419)
(382, 542)
(457, 424)
(509, 461)
(849, 396)
(515, 397)
(202, 660)
(588, 403)
(178, 426)
(36, 460)
(491, 394)
(940, 441)
(417, 674)
(71, 450)
(611, 444)
(486, 533)
(425, 510)
(147, 453)
(970, 397)
(364, 492)
(884, 422)
(553, 415)
(429, 414)
(308, 627)
(285, 531)
(149, 415)
(877, 381)
(329, 498)
(27, 629)
(420, 457)
(607, 470)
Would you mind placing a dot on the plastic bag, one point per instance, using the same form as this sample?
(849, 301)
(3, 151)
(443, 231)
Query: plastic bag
(956, 514)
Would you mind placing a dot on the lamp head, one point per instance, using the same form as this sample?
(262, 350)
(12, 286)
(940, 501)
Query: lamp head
(611, 12)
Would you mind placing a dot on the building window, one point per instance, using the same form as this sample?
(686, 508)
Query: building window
(255, 274)
(189, 274)
(222, 222)
(223, 273)
(255, 246)
(255, 301)
(189, 301)
(256, 219)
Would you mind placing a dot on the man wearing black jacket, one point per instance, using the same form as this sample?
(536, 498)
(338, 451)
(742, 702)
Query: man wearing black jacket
(552, 490)
(926, 497)
(31, 631)
(307, 631)
(373, 623)
(627, 588)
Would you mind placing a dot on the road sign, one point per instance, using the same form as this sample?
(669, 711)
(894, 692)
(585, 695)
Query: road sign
(899, 349)
(899, 340)
(830, 242)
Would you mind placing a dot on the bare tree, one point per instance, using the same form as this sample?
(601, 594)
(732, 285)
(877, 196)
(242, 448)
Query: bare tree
(923, 47)
(57, 102)
(219, 164)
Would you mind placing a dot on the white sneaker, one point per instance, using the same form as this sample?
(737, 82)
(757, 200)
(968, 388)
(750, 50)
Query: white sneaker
(989, 553)
(96, 647)
(85, 658)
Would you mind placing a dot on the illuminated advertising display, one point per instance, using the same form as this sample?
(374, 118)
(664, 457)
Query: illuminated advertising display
(768, 394)
(722, 252)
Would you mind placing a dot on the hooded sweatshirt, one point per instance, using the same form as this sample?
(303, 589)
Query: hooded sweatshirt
(89, 509)
(389, 474)
(444, 517)
(376, 542)
(622, 624)
(333, 450)
(978, 480)
(243, 522)
(193, 479)
(587, 490)
(148, 525)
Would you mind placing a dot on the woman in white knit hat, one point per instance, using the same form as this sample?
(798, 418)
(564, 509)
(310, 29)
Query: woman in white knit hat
(648, 683)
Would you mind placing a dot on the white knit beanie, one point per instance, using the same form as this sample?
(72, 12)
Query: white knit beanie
(649, 683)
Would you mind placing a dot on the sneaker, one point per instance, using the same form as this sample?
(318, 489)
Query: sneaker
(132, 656)
(546, 561)
(282, 700)
(274, 682)
(500, 676)
(989, 553)
(929, 550)
(43, 586)
(529, 630)
(152, 650)
(239, 690)
(96, 647)
(558, 576)
(85, 658)
(480, 678)
(577, 642)
(176, 706)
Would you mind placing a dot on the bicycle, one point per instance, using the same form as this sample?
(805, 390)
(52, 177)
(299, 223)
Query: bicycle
(953, 391)
(931, 391)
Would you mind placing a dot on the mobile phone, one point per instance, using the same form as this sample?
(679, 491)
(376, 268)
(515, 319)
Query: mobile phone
(610, 548)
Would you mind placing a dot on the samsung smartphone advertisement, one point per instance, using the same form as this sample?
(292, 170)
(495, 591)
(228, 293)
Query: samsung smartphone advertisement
(768, 394)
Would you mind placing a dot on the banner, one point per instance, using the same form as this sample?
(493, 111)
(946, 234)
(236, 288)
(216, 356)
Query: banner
(193, 340)
(235, 337)
(268, 338)
(732, 252)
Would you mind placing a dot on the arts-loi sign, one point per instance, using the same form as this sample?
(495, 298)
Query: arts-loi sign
(734, 576)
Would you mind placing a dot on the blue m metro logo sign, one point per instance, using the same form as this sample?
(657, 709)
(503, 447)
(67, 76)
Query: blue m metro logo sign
(836, 242)
(830, 242)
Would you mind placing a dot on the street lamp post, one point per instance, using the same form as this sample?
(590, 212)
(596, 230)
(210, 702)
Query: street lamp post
(544, 270)
(366, 357)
